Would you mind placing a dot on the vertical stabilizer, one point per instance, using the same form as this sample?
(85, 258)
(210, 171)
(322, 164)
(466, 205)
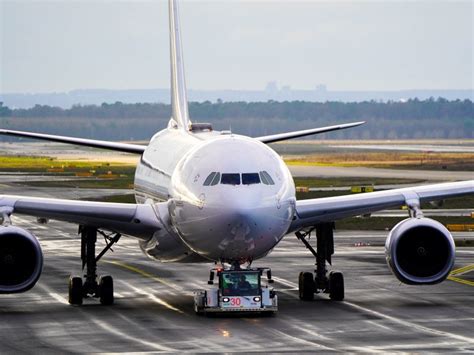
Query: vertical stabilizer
(179, 100)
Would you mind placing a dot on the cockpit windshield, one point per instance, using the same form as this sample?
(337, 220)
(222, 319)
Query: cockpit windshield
(250, 178)
(236, 179)
(230, 179)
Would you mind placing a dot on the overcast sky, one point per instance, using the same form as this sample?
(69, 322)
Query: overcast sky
(347, 45)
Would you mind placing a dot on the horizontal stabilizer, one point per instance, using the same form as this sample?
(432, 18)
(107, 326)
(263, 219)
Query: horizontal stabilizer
(306, 132)
(121, 147)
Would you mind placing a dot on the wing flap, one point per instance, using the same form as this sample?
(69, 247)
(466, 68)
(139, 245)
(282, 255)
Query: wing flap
(121, 147)
(330, 209)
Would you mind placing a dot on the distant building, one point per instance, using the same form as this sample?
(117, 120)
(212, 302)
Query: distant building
(271, 87)
(321, 93)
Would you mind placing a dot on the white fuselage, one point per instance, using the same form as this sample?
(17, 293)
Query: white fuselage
(230, 198)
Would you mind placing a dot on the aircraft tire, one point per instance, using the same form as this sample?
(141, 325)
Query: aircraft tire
(75, 291)
(336, 286)
(106, 290)
(306, 286)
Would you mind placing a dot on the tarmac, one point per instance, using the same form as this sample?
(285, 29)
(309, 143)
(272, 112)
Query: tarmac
(154, 312)
(154, 304)
(422, 175)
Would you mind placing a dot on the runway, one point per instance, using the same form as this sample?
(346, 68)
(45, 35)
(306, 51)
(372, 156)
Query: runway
(154, 306)
(438, 148)
(422, 175)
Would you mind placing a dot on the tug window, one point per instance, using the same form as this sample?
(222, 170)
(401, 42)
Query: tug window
(230, 179)
(250, 178)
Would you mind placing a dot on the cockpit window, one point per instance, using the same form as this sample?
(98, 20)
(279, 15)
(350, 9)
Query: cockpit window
(250, 178)
(230, 179)
(212, 179)
(269, 178)
(216, 179)
(235, 179)
(208, 180)
(266, 178)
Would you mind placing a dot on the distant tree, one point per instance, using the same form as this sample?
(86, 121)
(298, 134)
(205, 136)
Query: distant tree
(4, 111)
(411, 119)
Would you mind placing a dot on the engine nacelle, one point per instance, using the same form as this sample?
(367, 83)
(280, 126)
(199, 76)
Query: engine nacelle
(21, 260)
(420, 251)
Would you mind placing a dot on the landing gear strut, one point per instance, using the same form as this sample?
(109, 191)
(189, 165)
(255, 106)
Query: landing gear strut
(322, 281)
(91, 285)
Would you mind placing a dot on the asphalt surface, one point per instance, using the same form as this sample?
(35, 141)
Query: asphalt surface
(18, 184)
(59, 192)
(154, 305)
(423, 175)
(428, 148)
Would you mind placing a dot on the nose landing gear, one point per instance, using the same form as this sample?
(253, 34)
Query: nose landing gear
(322, 281)
(103, 288)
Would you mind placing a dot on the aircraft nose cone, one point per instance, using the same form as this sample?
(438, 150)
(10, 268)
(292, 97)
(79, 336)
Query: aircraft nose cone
(252, 229)
(234, 226)
(241, 235)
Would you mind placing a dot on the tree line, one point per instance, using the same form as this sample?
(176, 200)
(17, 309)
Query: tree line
(432, 118)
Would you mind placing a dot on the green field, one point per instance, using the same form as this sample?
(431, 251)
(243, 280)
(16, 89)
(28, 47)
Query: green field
(387, 160)
(102, 174)
(41, 164)
(349, 181)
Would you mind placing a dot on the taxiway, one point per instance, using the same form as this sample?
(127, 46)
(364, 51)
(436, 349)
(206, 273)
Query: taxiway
(422, 175)
(154, 305)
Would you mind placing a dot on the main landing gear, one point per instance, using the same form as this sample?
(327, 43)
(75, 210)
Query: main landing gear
(91, 285)
(321, 281)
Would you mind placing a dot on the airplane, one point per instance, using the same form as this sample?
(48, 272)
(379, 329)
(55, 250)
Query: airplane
(216, 197)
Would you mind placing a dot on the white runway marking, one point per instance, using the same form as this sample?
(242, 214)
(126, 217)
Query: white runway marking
(152, 297)
(283, 335)
(408, 324)
(399, 321)
(110, 329)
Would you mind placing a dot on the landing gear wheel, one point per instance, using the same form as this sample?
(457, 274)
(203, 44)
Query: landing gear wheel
(75, 290)
(306, 286)
(336, 286)
(106, 290)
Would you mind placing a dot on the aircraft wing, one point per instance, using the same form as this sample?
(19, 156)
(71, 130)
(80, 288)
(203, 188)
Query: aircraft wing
(121, 147)
(329, 209)
(306, 132)
(139, 220)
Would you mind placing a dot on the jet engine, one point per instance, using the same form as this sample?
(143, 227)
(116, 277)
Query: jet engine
(420, 251)
(21, 260)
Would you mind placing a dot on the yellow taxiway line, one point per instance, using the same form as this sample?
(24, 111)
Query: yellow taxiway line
(145, 274)
(152, 277)
(461, 271)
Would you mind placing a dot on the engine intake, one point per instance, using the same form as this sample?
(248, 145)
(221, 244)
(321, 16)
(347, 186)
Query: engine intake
(21, 260)
(420, 251)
